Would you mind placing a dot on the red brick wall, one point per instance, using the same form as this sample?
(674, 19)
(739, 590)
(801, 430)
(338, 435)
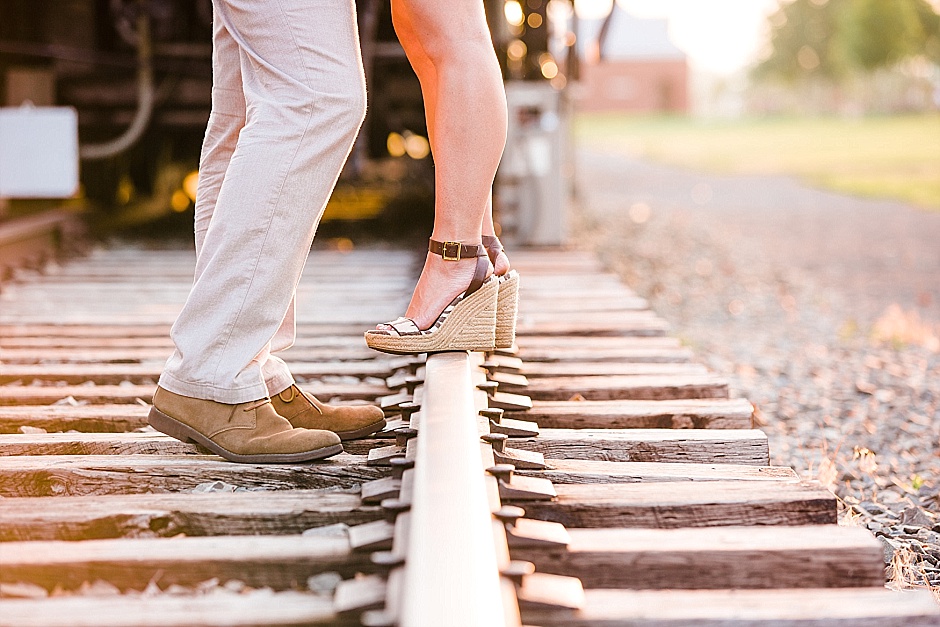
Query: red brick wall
(640, 86)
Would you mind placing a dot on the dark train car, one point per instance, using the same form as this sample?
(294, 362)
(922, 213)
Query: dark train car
(138, 72)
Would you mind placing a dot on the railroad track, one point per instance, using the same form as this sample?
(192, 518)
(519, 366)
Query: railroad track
(595, 476)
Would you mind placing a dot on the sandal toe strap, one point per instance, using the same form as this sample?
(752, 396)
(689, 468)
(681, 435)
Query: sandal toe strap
(404, 326)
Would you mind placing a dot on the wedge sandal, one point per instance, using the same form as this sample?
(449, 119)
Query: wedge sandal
(467, 323)
(507, 307)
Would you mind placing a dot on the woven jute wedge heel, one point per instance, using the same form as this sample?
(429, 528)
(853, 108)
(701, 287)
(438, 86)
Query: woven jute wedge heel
(507, 309)
(467, 323)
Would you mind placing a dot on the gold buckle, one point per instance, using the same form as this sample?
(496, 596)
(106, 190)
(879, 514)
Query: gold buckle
(454, 246)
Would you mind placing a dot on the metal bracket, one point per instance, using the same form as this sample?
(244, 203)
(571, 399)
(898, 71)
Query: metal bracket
(382, 455)
(498, 363)
(515, 428)
(509, 426)
(354, 596)
(509, 381)
(391, 403)
(542, 534)
(372, 536)
(390, 427)
(374, 492)
(523, 460)
(509, 402)
(527, 489)
(541, 591)
(516, 488)
(512, 351)
(529, 533)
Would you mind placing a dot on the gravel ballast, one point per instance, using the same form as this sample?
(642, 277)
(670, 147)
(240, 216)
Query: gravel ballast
(824, 311)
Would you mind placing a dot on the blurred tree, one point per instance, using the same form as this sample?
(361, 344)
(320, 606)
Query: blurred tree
(879, 33)
(804, 41)
(831, 38)
(930, 20)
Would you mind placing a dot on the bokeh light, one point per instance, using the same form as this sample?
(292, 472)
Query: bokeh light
(395, 144)
(417, 146)
(191, 184)
(513, 12)
(180, 201)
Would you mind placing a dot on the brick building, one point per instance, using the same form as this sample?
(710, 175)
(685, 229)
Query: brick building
(631, 65)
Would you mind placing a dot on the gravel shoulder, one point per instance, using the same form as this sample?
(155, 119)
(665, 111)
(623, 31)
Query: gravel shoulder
(822, 308)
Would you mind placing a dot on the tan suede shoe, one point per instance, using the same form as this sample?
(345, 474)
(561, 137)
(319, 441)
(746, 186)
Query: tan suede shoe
(248, 433)
(348, 422)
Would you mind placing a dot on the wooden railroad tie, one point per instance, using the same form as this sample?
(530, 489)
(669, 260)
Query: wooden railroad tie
(593, 475)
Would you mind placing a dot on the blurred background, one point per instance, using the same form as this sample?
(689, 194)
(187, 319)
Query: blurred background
(728, 86)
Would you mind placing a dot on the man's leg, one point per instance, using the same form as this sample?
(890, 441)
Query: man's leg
(305, 99)
(225, 123)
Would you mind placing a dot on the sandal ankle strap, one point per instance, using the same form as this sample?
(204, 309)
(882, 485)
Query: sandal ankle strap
(455, 251)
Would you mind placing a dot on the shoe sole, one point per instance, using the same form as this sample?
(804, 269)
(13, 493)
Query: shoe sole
(362, 432)
(184, 433)
(471, 326)
(507, 309)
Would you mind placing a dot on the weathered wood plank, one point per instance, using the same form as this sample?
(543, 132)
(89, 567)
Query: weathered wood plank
(817, 556)
(78, 475)
(591, 471)
(561, 341)
(571, 470)
(147, 373)
(629, 318)
(637, 414)
(615, 445)
(254, 609)
(158, 356)
(573, 327)
(86, 418)
(279, 562)
(613, 354)
(44, 395)
(682, 414)
(138, 443)
(539, 302)
(687, 504)
(537, 370)
(608, 388)
(168, 515)
(702, 446)
(827, 607)
(145, 443)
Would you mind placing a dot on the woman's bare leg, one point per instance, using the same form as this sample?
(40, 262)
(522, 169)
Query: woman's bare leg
(452, 53)
(424, 68)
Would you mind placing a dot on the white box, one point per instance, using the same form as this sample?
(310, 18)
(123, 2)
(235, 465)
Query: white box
(38, 152)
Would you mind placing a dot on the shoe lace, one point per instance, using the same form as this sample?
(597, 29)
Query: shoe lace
(257, 404)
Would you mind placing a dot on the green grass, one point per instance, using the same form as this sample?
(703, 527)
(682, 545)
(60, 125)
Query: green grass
(891, 157)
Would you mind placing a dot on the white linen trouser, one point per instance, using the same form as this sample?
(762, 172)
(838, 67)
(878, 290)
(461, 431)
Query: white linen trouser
(288, 99)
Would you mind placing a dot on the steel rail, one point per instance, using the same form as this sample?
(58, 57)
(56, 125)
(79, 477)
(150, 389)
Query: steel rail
(455, 547)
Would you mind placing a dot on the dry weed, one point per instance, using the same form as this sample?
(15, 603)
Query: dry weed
(896, 326)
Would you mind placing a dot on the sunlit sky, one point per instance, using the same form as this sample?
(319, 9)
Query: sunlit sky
(718, 35)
